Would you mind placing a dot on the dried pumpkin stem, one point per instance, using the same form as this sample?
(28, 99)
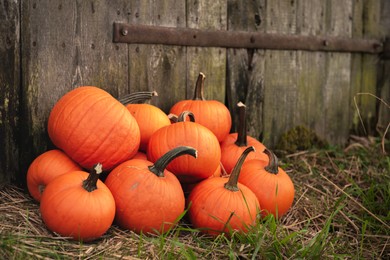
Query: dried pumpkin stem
(273, 164)
(182, 117)
(89, 184)
(198, 93)
(137, 97)
(241, 132)
(233, 179)
(159, 166)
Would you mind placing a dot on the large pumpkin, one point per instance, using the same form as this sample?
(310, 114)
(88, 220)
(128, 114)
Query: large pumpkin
(148, 198)
(271, 184)
(45, 168)
(91, 126)
(235, 143)
(78, 205)
(210, 113)
(218, 205)
(187, 133)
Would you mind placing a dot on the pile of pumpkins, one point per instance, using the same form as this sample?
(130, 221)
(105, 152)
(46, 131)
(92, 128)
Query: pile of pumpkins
(158, 167)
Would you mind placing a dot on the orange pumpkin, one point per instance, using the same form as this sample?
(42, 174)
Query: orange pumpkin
(45, 168)
(271, 184)
(235, 143)
(187, 133)
(210, 113)
(148, 198)
(218, 206)
(91, 126)
(78, 205)
(149, 118)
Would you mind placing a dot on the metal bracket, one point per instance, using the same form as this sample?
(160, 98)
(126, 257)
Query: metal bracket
(146, 34)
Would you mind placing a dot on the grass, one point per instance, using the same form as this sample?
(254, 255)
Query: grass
(341, 211)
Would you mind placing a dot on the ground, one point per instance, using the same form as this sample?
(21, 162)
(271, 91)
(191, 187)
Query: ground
(340, 210)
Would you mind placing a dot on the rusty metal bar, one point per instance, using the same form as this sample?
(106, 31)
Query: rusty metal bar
(146, 34)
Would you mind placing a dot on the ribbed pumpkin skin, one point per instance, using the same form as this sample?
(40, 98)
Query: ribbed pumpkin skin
(71, 211)
(275, 192)
(230, 152)
(149, 118)
(210, 113)
(212, 205)
(45, 168)
(145, 202)
(187, 168)
(91, 126)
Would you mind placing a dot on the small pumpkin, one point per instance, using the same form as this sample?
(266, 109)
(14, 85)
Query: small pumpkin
(149, 198)
(271, 184)
(187, 133)
(212, 114)
(45, 168)
(78, 205)
(149, 117)
(91, 126)
(235, 143)
(218, 206)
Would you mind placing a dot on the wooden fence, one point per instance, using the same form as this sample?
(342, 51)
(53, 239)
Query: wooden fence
(50, 47)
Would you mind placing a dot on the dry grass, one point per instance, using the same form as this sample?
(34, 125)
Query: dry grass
(341, 210)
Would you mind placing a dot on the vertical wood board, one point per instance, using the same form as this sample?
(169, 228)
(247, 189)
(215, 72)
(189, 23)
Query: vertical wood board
(245, 67)
(204, 14)
(9, 90)
(157, 67)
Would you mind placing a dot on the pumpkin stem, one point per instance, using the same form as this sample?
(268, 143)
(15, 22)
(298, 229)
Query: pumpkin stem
(198, 93)
(137, 97)
(273, 164)
(241, 132)
(89, 184)
(182, 117)
(233, 179)
(159, 166)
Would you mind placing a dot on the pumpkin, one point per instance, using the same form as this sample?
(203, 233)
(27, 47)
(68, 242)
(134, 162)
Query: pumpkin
(140, 155)
(91, 126)
(78, 205)
(45, 168)
(149, 118)
(187, 133)
(235, 143)
(218, 206)
(271, 184)
(149, 198)
(210, 113)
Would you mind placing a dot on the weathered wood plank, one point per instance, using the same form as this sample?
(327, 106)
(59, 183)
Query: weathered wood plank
(280, 87)
(157, 67)
(368, 106)
(336, 90)
(211, 61)
(310, 67)
(384, 75)
(245, 68)
(9, 90)
(65, 44)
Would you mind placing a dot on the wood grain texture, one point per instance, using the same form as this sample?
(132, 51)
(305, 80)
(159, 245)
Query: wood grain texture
(336, 89)
(383, 82)
(310, 67)
(9, 90)
(204, 14)
(280, 82)
(157, 67)
(245, 67)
